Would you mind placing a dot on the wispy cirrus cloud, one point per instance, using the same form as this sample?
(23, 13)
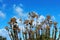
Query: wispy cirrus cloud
(18, 9)
(2, 14)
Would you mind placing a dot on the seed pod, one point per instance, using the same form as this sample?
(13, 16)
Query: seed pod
(26, 22)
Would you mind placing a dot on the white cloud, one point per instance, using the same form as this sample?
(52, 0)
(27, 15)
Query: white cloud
(2, 14)
(19, 10)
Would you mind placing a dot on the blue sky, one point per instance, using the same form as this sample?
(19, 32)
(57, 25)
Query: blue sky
(42, 7)
(19, 8)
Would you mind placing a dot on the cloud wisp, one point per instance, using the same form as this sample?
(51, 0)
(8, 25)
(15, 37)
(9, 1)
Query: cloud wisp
(2, 15)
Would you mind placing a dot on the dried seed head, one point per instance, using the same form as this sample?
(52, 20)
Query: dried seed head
(26, 22)
(47, 27)
(34, 15)
(38, 28)
(48, 17)
(50, 22)
(30, 22)
(24, 32)
(9, 22)
(13, 20)
(42, 22)
(18, 29)
(55, 23)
